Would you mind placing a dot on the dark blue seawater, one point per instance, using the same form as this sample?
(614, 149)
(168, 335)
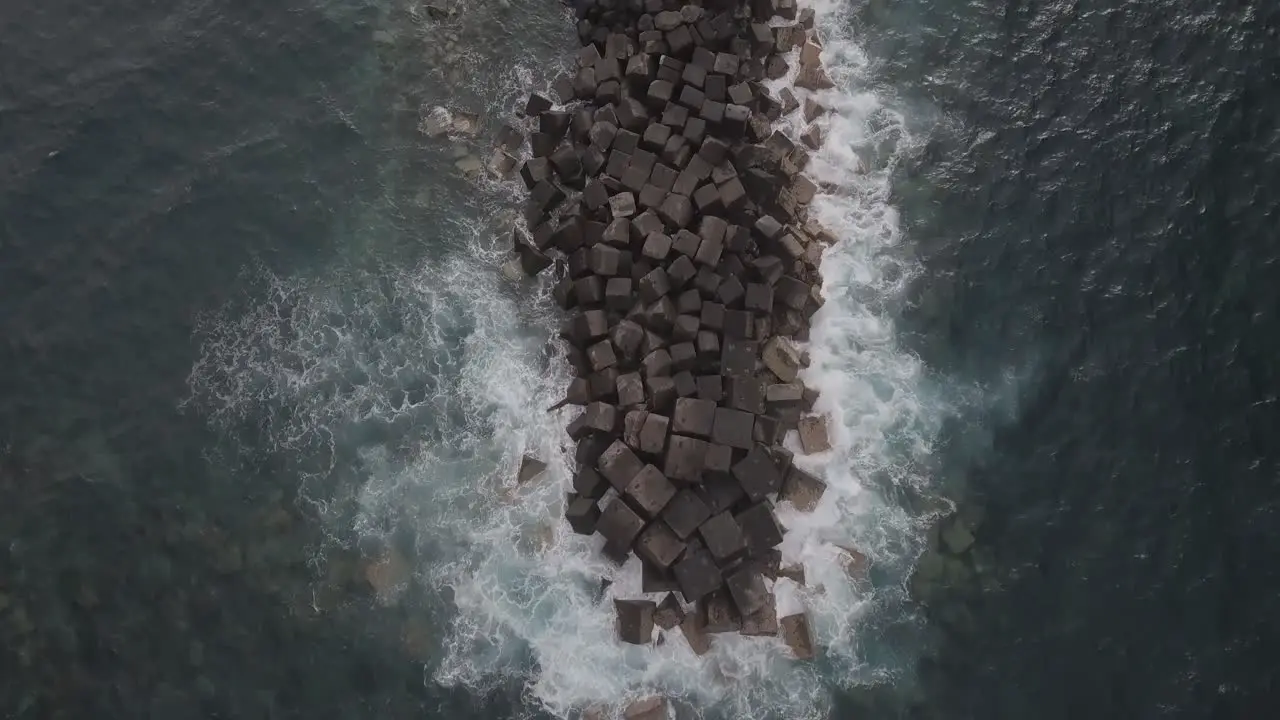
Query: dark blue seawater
(1096, 211)
(1093, 208)
(151, 154)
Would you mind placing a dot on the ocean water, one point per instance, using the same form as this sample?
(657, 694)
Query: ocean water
(266, 386)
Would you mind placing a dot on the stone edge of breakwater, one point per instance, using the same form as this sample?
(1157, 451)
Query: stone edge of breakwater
(673, 217)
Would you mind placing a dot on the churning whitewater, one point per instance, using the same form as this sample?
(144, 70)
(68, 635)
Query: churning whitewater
(405, 397)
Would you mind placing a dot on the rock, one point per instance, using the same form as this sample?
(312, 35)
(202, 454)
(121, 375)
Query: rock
(740, 325)
(723, 537)
(683, 356)
(814, 78)
(657, 363)
(513, 270)
(667, 20)
(436, 122)
(782, 393)
(929, 571)
(745, 394)
(710, 387)
(759, 298)
(530, 468)
(767, 562)
(388, 573)
(795, 573)
(719, 614)
(470, 166)
(600, 417)
(812, 109)
(738, 357)
(651, 491)
(619, 524)
(589, 449)
(654, 580)
(502, 163)
(659, 546)
(656, 247)
(746, 587)
(465, 123)
(795, 632)
(653, 434)
(763, 622)
(758, 474)
(760, 527)
(582, 514)
(956, 536)
(669, 613)
(697, 575)
(813, 434)
(812, 138)
(694, 629)
(693, 417)
(782, 358)
(855, 563)
(650, 708)
(631, 392)
(635, 621)
(686, 386)
(538, 103)
(810, 55)
(685, 513)
(589, 484)
(720, 493)
(684, 458)
(619, 465)
(602, 355)
(626, 337)
(802, 490)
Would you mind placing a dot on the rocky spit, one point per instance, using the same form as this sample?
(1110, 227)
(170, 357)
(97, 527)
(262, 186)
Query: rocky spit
(673, 218)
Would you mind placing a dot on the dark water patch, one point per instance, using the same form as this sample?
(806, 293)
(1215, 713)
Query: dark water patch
(148, 187)
(151, 153)
(1093, 214)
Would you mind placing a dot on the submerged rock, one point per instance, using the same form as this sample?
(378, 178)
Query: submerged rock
(530, 468)
(813, 434)
(436, 122)
(650, 708)
(956, 536)
(465, 123)
(469, 166)
(387, 574)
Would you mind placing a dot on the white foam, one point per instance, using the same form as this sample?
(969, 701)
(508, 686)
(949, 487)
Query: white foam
(332, 360)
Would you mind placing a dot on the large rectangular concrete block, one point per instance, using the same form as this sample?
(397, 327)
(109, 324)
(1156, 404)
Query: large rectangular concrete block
(723, 537)
(697, 575)
(733, 428)
(659, 546)
(650, 490)
(685, 513)
(760, 527)
(758, 474)
(619, 524)
(635, 621)
(684, 458)
(619, 465)
(693, 417)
